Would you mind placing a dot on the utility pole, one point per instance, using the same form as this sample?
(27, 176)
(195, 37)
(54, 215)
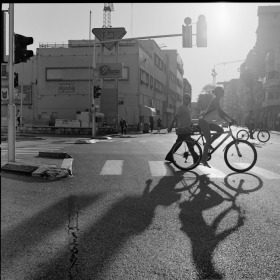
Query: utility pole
(11, 105)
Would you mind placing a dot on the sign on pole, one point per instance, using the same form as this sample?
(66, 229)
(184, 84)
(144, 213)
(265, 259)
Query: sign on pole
(105, 34)
(110, 70)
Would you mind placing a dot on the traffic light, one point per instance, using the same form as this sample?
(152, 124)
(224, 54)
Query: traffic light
(15, 80)
(201, 32)
(21, 52)
(96, 91)
(187, 33)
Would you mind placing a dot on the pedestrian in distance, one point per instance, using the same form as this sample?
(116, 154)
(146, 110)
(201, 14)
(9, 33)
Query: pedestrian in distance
(249, 121)
(183, 120)
(158, 125)
(18, 117)
(123, 125)
(152, 123)
(206, 123)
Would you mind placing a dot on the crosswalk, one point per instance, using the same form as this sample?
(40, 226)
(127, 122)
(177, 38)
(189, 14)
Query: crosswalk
(163, 168)
(33, 150)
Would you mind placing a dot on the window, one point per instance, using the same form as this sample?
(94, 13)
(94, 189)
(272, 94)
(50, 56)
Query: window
(151, 81)
(144, 77)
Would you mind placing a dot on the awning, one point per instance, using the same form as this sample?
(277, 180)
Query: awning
(99, 115)
(147, 111)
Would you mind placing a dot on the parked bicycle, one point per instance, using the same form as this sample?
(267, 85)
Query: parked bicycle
(239, 155)
(262, 135)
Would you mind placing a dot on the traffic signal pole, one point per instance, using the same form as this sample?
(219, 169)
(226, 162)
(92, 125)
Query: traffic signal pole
(92, 93)
(11, 105)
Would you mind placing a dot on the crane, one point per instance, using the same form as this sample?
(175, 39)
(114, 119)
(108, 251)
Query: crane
(214, 73)
(108, 8)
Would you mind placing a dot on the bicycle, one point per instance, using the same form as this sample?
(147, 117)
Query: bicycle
(263, 135)
(239, 155)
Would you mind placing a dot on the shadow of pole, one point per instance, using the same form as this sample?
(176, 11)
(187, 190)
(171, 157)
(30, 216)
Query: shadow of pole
(99, 244)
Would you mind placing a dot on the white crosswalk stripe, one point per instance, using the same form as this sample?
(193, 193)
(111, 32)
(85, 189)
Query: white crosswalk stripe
(262, 172)
(160, 168)
(112, 167)
(211, 172)
(33, 150)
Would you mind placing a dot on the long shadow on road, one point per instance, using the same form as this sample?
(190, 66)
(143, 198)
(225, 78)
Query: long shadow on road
(203, 235)
(99, 244)
(30, 232)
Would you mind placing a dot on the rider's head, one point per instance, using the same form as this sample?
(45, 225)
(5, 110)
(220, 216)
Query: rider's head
(187, 99)
(218, 91)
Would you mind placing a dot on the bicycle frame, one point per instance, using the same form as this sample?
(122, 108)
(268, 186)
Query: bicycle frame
(229, 134)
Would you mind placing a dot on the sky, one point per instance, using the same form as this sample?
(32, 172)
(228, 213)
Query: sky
(231, 30)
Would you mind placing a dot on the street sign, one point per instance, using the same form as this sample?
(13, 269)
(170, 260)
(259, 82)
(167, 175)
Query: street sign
(105, 34)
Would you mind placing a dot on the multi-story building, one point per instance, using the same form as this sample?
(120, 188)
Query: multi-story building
(58, 82)
(260, 73)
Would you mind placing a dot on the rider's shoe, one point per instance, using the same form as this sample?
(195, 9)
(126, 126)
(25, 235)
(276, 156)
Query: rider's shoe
(195, 158)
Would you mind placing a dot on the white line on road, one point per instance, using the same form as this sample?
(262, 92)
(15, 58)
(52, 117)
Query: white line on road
(112, 167)
(211, 172)
(128, 140)
(160, 168)
(261, 171)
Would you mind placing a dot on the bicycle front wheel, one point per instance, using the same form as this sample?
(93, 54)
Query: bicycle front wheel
(263, 136)
(186, 154)
(242, 134)
(240, 155)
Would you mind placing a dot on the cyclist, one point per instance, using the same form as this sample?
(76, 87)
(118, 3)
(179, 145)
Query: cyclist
(249, 122)
(206, 122)
(183, 120)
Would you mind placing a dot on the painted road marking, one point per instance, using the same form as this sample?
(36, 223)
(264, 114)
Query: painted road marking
(211, 172)
(127, 141)
(112, 167)
(160, 168)
(261, 171)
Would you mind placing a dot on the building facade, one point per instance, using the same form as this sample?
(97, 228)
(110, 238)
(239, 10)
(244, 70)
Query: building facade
(260, 74)
(58, 82)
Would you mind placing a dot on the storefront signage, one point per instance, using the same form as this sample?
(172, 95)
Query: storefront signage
(66, 88)
(4, 93)
(110, 70)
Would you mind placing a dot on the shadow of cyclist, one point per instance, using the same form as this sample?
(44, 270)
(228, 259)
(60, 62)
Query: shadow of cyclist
(203, 235)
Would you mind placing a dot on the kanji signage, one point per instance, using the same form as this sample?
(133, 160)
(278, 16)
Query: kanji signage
(105, 34)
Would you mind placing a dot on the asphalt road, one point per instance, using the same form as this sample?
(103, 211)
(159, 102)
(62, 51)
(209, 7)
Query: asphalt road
(127, 214)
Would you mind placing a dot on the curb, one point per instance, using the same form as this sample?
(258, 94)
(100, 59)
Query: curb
(50, 172)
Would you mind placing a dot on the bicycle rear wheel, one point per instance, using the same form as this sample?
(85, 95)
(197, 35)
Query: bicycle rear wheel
(186, 154)
(263, 136)
(240, 155)
(242, 134)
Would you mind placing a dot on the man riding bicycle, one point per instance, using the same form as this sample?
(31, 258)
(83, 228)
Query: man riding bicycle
(249, 122)
(206, 122)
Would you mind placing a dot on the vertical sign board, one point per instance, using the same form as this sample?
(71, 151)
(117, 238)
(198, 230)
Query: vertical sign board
(106, 34)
